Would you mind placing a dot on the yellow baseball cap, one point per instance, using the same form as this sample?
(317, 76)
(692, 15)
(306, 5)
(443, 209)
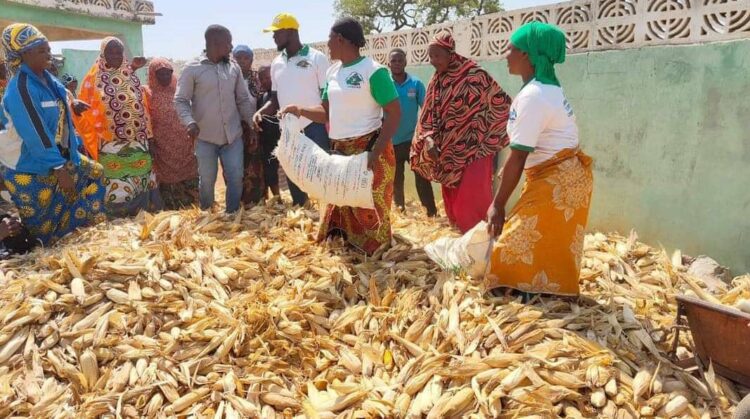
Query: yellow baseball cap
(283, 21)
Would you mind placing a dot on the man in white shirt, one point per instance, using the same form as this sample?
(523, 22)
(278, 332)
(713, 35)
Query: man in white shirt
(298, 76)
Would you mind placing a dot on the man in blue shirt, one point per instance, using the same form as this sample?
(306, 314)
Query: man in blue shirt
(411, 93)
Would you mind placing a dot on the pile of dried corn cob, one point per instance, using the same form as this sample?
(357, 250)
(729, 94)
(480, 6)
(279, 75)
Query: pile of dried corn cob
(189, 313)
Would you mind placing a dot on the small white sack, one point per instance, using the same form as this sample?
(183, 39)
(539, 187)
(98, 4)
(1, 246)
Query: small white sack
(333, 179)
(10, 144)
(469, 252)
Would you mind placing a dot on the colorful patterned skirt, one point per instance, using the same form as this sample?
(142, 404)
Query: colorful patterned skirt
(365, 229)
(129, 179)
(47, 211)
(179, 195)
(541, 246)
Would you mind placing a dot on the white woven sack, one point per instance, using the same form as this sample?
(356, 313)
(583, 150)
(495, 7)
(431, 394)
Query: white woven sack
(469, 252)
(331, 179)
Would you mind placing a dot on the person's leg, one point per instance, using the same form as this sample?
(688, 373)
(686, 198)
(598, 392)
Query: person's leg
(156, 202)
(449, 196)
(299, 197)
(232, 163)
(319, 135)
(207, 155)
(271, 173)
(426, 195)
(253, 185)
(402, 157)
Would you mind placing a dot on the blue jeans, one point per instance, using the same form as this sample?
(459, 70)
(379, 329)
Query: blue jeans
(231, 157)
(319, 135)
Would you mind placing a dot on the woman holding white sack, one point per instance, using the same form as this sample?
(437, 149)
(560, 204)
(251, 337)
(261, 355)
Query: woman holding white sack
(360, 102)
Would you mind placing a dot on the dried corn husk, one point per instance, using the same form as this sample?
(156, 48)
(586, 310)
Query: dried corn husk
(89, 368)
(202, 314)
(597, 376)
(598, 398)
(676, 407)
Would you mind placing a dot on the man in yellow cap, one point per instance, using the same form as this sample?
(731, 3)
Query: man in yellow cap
(283, 21)
(298, 76)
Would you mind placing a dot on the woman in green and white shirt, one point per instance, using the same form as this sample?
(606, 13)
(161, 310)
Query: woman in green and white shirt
(360, 102)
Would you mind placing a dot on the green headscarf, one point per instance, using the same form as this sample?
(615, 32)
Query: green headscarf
(545, 45)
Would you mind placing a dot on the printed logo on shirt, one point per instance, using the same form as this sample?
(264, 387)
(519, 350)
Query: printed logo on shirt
(355, 80)
(412, 92)
(568, 108)
(304, 64)
(512, 116)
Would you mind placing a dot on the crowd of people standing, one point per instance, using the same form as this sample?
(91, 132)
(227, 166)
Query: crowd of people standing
(118, 147)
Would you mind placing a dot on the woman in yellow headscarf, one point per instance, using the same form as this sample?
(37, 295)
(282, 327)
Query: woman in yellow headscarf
(116, 131)
(540, 242)
(55, 188)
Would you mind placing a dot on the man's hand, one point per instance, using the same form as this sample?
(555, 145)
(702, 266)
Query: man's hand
(193, 131)
(79, 107)
(249, 138)
(258, 121)
(138, 62)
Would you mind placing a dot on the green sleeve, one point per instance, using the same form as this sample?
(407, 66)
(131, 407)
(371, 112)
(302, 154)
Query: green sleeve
(324, 94)
(382, 88)
(521, 147)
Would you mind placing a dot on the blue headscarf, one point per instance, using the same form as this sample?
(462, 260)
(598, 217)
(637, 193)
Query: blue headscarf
(242, 48)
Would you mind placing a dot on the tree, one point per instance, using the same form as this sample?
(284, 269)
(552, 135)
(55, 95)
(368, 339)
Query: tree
(382, 15)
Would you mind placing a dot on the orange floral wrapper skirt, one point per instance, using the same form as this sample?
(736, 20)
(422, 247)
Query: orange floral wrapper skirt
(540, 248)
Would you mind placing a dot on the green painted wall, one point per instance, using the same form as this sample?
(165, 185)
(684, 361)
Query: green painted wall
(78, 62)
(669, 129)
(75, 60)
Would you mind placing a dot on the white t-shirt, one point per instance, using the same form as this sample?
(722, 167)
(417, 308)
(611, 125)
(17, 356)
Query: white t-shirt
(356, 94)
(298, 80)
(541, 122)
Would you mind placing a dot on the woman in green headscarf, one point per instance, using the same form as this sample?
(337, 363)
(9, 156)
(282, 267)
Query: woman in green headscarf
(541, 240)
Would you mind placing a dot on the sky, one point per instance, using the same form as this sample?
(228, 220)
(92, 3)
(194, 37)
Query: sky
(178, 33)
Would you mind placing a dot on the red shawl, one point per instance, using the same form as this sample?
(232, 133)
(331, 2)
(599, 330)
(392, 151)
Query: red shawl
(172, 148)
(465, 113)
